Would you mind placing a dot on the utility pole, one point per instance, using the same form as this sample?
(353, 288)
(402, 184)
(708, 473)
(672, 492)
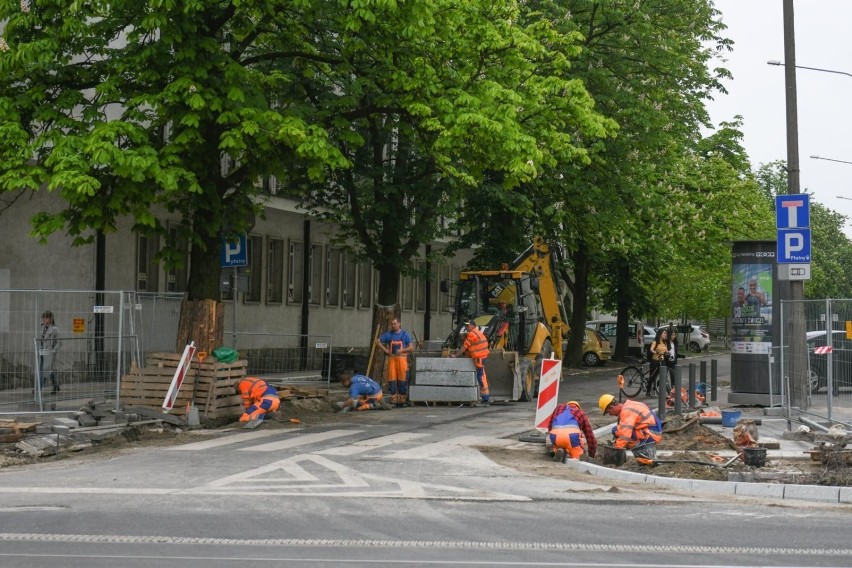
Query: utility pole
(793, 319)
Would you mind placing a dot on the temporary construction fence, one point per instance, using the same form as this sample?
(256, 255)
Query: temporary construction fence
(100, 335)
(822, 357)
(285, 358)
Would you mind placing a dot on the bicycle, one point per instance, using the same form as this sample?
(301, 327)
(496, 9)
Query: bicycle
(637, 378)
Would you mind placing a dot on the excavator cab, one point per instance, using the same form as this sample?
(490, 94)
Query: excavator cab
(502, 304)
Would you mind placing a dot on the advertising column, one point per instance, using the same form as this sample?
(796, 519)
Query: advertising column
(753, 322)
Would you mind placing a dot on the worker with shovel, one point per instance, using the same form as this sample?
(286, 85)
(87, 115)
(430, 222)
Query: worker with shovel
(259, 399)
(364, 393)
(638, 428)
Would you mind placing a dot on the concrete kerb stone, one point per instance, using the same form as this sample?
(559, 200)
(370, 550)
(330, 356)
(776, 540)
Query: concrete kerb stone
(816, 493)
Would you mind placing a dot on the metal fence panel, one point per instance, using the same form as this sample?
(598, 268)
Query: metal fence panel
(286, 357)
(828, 353)
(100, 335)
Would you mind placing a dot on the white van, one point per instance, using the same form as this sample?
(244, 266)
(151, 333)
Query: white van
(640, 335)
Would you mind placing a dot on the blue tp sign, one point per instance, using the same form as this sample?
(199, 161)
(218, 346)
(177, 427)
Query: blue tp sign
(792, 218)
(234, 253)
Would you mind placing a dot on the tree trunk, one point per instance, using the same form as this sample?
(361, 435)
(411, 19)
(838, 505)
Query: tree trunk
(622, 300)
(574, 355)
(200, 321)
(382, 316)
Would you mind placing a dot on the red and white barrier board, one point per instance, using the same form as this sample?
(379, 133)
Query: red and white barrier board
(548, 392)
(180, 375)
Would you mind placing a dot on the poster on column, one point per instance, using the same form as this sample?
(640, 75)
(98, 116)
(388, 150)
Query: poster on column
(751, 299)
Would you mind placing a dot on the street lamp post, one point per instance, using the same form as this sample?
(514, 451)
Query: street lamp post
(794, 290)
(778, 63)
(830, 159)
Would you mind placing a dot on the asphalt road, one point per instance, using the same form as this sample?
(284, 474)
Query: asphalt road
(408, 487)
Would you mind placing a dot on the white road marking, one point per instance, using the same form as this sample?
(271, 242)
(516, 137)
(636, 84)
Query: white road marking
(372, 444)
(225, 440)
(299, 439)
(332, 479)
(438, 448)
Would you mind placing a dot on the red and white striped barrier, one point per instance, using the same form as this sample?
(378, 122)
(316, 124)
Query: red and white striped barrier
(548, 392)
(825, 349)
(180, 375)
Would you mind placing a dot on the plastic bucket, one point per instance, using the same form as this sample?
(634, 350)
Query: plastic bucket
(730, 417)
(755, 456)
(614, 456)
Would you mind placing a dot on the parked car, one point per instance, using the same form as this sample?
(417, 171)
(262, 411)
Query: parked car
(634, 347)
(596, 348)
(691, 337)
(841, 358)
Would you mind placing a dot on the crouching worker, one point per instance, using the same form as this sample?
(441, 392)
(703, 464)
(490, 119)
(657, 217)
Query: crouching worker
(259, 398)
(364, 393)
(638, 428)
(570, 433)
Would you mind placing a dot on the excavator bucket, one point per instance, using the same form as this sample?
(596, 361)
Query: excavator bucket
(504, 377)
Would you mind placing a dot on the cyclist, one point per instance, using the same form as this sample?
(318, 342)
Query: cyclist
(659, 350)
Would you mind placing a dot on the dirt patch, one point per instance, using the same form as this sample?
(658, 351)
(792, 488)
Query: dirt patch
(696, 456)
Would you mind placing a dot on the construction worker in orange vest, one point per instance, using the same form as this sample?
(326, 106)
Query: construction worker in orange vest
(259, 398)
(396, 344)
(476, 347)
(570, 432)
(638, 428)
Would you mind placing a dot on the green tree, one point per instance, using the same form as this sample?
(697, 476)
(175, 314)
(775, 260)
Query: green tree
(380, 115)
(124, 108)
(429, 101)
(647, 65)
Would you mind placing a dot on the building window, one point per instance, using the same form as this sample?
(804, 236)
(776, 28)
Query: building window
(176, 277)
(406, 293)
(435, 271)
(315, 284)
(444, 301)
(147, 273)
(254, 270)
(295, 265)
(332, 277)
(275, 271)
(349, 280)
(365, 285)
(420, 287)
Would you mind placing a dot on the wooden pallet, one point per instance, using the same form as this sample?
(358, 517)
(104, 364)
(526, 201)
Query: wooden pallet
(14, 431)
(209, 385)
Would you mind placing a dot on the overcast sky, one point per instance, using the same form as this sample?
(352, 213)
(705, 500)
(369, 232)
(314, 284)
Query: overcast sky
(824, 40)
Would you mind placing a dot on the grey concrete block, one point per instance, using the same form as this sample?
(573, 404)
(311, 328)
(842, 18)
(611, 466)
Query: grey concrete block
(443, 364)
(715, 487)
(86, 420)
(68, 422)
(446, 378)
(60, 429)
(673, 482)
(98, 435)
(418, 393)
(770, 490)
(44, 429)
(812, 493)
(132, 417)
(845, 495)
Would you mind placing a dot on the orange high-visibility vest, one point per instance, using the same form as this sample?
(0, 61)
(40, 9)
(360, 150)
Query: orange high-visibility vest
(477, 346)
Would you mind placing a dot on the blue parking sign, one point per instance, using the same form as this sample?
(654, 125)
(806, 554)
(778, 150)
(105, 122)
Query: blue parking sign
(234, 252)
